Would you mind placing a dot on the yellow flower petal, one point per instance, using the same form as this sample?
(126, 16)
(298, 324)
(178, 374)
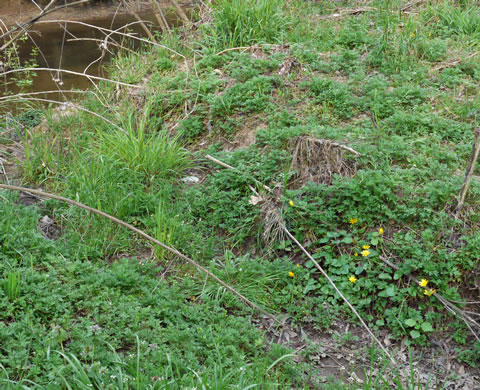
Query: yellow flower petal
(291, 203)
(352, 279)
(366, 247)
(298, 265)
(353, 221)
(380, 231)
(291, 274)
(365, 253)
(429, 292)
(355, 254)
(423, 283)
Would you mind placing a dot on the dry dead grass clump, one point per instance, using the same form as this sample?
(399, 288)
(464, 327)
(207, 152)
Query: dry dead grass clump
(318, 160)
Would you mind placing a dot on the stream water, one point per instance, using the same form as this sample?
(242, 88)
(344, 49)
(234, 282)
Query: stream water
(63, 40)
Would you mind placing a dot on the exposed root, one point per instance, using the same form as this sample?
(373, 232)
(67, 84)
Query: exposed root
(318, 160)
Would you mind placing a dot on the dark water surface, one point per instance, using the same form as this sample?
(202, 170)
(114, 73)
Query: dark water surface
(67, 45)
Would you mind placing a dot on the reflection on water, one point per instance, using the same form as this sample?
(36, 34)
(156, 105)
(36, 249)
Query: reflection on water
(71, 46)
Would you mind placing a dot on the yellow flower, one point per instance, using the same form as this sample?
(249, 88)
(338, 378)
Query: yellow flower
(356, 254)
(298, 265)
(423, 283)
(412, 35)
(366, 247)
(352, 279)
(429, 292)
(380, 231)
(365, 253)
(291, 274)
(353, 221)
(291, 203)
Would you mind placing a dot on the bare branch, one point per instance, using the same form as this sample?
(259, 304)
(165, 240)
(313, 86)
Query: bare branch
(146, 236)
(88, 76)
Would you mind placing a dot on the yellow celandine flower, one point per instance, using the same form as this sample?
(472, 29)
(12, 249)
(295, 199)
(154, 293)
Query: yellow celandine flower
(291, 274)
(298, 265)
(423, 283)
(355, 254)
(352, 279)
(366, 247)
(291, 203)
(365, 253)
(429, 292)
(380, 231)
(353, 221)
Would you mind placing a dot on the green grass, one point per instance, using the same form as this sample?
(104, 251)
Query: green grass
(382, 82)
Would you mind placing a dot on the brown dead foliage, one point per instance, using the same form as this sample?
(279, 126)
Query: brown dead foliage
(318, 160)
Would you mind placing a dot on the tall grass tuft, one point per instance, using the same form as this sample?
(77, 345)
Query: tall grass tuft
(246, 22)
(144, 150)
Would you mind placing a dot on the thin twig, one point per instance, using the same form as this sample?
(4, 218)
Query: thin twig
(468, 172)
(230, 167)
(455, 310)
(131, 10)
(68, 104)
(287, 232)
(69, 72)
(20, 28)
(332, 283)
(146, 236)
(180, 11)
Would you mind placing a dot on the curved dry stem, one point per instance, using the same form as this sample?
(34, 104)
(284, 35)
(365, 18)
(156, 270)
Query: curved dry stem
(19, 99)
(90, 77)
(332, 283)
(132, 36)
(144, 235)
(62, 91)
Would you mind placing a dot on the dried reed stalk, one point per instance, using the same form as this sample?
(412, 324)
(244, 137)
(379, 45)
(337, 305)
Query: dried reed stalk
(146, 236)
(129, 6)
(180, 11)
(468, 172)
(281, 225)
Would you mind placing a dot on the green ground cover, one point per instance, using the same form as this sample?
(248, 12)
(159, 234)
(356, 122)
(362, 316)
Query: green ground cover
(99, 308)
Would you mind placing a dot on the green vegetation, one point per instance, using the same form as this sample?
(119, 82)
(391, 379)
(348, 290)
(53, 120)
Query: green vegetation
(257, 86)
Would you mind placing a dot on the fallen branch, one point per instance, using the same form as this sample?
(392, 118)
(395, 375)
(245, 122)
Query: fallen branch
(19, 99)
(455, 310)
(21, 28)
(332, 283)
(144, 235)
(452, 63)
(468, 172)
(348, 12)
(88, 76)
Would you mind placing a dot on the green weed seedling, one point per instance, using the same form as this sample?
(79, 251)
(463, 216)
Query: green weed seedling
(11, 285)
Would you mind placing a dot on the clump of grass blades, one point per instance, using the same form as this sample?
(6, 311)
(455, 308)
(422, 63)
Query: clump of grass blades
(246, 22)
(143, 150)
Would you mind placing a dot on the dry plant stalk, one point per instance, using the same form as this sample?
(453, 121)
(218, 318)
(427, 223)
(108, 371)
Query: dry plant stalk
(273, 223)
(455, 310)
(468, 172)
(21, 29)
(278, 222)
(180, 11)
(317, 160)
(145, 235)
(130, 7)
(160, 16)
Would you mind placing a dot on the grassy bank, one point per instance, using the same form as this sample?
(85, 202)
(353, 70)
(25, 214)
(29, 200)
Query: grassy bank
(360, 117)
